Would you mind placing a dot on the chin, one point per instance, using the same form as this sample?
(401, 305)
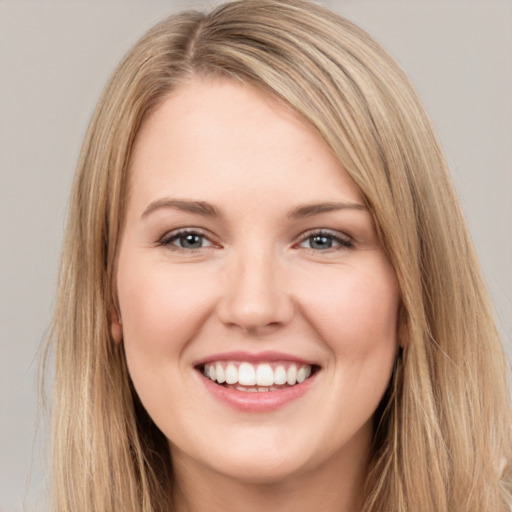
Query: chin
(249, 456)
(262, 470)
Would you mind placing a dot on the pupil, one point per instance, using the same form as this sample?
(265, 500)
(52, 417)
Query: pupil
(191, 241)
(321, 242)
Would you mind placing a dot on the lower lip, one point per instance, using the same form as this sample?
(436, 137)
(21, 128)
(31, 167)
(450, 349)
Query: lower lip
(260, 401)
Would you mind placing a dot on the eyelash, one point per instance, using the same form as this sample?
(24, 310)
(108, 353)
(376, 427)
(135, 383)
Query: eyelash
(169, 239)
(343, 243)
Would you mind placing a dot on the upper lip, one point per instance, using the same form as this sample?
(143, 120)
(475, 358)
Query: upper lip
(254, 357)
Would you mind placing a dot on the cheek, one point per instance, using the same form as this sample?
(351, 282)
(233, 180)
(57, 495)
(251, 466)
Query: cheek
(357, 320)
(356, 311)
(162, 308)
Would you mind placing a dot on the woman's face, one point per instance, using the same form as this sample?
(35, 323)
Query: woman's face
(247, 253)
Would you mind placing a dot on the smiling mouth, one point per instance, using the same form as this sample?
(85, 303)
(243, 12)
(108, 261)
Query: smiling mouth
(261, 377)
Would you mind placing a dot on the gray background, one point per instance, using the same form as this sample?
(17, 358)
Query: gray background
(55, 57)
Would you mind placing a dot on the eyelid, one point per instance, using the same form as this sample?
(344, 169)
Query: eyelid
(344, 240)
(167, 239)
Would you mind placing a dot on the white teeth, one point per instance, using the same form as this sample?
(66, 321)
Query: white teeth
(246, 374)
(221, 375)
(279, 375)
(263, 377)
(301, 375)
(291, 375)
(241, 388)
(231, 374)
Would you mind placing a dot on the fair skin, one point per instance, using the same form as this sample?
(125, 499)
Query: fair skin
(279, 266)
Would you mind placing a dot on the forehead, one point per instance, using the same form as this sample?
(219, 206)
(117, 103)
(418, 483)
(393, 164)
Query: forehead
(209, 133)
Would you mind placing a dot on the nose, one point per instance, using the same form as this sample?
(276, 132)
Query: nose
(254, 295)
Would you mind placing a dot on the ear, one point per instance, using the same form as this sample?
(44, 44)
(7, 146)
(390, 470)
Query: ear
(116, 326)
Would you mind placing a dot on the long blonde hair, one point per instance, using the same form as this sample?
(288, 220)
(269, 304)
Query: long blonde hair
(442, 433)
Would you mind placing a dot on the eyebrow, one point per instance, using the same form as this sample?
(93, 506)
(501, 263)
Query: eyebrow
(309, 210)
(198, 207)
(207, 209)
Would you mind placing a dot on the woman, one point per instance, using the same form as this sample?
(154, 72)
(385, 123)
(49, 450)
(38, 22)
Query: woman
(268, 295)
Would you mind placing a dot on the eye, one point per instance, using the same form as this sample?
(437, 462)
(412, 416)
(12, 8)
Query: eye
(324, 241)
(186, 239)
